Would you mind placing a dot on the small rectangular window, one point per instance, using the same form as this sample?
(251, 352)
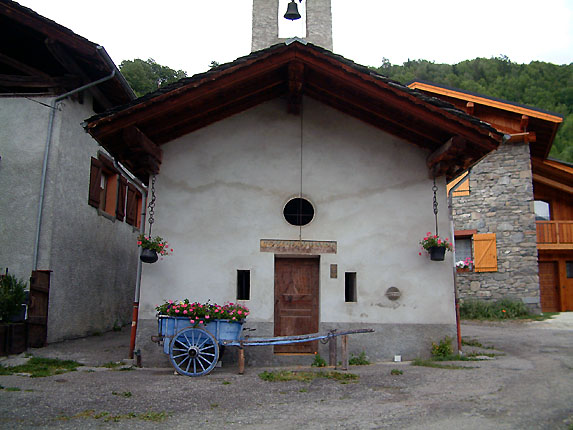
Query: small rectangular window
(243, 284)
(350, 287)
(569, 269)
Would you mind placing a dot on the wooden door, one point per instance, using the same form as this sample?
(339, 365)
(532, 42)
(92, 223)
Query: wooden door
(38, 308)
(549, 286)
(296, 302)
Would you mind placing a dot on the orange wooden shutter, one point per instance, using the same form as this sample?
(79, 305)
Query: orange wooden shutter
(95, 183)
(485, 252)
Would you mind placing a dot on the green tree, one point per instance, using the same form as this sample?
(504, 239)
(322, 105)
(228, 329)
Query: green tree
(147, 76)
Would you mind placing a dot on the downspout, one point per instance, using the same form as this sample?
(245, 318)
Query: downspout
(135, 313)
(456, 298)
(47, 153)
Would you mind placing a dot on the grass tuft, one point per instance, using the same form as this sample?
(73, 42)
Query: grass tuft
(39, 367)
(289, 375)
(359, 360)
(435, 364)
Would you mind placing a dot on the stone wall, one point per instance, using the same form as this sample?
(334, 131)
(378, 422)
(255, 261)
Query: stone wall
(501, 202)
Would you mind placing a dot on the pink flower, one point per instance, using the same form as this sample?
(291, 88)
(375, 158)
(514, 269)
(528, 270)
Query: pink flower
(206, 317)
(176, 311)
(234, 318)
(419, 253)
(239, 312)
(428, 234)
(191, 321)
(185, 311)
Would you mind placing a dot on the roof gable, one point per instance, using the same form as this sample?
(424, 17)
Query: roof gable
(291, 70)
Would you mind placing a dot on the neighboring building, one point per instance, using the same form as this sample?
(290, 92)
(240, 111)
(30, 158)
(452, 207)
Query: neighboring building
(513, 211)
(75, 239)
(300, 184)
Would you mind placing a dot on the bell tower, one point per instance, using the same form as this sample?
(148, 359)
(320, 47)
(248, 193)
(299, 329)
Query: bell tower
(267, 20)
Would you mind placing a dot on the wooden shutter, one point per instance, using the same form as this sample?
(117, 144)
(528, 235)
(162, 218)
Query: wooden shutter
(95, 183)
(485, 252)
(121, 194)
(131, 210)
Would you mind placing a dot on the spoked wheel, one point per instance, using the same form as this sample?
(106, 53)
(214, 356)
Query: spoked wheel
(193, 352)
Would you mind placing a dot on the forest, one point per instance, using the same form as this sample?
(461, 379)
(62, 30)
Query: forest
(538, 84)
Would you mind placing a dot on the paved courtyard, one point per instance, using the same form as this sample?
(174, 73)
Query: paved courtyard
(528, 386)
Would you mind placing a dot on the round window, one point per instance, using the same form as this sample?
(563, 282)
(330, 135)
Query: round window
(298, 211)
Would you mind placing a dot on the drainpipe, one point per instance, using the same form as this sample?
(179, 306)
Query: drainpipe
(47, 153)
(135, 313)
(456, 298)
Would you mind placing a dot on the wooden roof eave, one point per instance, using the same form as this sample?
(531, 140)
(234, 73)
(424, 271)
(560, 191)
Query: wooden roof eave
(404, 100)
(108, 124)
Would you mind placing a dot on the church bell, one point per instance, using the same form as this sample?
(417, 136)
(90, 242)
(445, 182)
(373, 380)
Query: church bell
(292, 11)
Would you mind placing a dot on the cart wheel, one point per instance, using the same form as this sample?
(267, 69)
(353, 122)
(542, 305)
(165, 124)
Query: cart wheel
(193, 352)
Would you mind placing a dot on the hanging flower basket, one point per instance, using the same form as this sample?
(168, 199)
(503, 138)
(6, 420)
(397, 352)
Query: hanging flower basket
(435, 246)
(152, 248)
(148, 256)
(437, 253)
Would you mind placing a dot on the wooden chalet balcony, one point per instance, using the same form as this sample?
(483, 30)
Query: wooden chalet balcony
(554, 234)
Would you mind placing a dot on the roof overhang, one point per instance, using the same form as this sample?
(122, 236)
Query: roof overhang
(553, 174)
(522, 123)
(453, 139)
(39, 56)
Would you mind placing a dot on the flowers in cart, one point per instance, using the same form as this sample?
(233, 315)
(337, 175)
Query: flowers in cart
(203, 313)
(191, 332)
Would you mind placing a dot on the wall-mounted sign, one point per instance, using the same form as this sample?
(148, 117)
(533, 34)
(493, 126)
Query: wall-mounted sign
(298, 246)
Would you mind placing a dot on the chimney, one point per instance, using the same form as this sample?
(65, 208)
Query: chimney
(267, 16)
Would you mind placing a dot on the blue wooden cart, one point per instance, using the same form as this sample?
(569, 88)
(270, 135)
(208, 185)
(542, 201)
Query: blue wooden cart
(194, 349)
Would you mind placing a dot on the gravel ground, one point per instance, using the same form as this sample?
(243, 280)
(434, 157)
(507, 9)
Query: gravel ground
(530, 386)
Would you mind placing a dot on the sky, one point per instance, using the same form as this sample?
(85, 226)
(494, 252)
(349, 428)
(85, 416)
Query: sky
(189, 34)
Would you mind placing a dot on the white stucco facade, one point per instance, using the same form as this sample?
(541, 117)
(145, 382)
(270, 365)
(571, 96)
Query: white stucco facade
(222, 189)
(93, 258)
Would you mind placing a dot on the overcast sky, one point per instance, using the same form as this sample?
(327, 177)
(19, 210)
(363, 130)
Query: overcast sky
(189, 34)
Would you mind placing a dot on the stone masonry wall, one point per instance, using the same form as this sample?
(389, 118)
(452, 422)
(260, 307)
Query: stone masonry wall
(501, 202)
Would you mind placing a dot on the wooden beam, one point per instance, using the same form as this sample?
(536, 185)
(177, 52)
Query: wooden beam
(38, 81)
(137, 141)
(70, 64)
(447, 152)
(528, 136)
(216, 115)
(524, 123)
(398, 99)
(227, 78)
(485, 101)
(373, 119)
(295, 86)
(553, 184)
(167, 120)
(15, 64)
(470, 108)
